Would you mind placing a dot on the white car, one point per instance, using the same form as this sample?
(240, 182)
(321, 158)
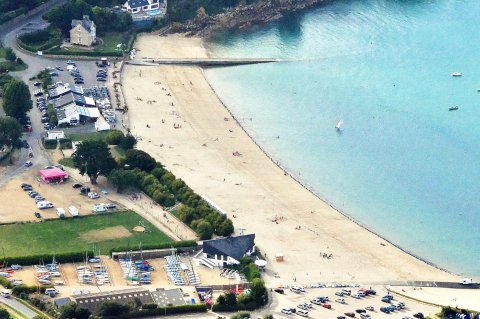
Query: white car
(93, 195)
(286, 311)
(340, 300)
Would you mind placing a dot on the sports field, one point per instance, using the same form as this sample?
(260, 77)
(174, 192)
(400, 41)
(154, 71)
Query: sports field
(76, 235)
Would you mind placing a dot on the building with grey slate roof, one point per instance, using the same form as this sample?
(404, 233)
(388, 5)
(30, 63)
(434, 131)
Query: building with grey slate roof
(83, 32)
(90, 301)
(229, 250)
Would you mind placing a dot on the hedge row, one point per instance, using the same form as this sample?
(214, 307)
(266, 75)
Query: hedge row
(165, 311)
(176, 244)
(35, 259)
(84, 53)
(29, 289)
(80, 256)
(237, 307)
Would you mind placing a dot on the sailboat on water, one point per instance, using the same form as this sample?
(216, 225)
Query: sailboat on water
(338, 126)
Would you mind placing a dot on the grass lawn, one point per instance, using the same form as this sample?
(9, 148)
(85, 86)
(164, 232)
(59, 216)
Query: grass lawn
(111, 40)
(118, 152)
(76, 235)
(67, 161)
(87, 136)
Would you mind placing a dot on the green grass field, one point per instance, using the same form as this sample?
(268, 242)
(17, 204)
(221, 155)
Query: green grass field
(88, 136)
(77, 235)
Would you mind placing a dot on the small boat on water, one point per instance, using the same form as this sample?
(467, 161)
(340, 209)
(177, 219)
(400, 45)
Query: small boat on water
(453, 108)
(457, 74)
(338, 126)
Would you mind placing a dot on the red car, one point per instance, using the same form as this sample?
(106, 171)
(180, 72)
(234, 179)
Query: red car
(327, 305)
(27, 128)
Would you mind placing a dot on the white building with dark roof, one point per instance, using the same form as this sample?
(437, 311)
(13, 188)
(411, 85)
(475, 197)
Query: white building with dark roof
(144, 6)
(229, 250)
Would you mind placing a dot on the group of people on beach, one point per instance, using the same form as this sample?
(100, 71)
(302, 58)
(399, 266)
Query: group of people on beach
(175, 126)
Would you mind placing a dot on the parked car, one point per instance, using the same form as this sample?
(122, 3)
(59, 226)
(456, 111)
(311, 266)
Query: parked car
(339, 293)
(277, 290)
(384, 310)
(341, 317)
(365, 316)
(340, 300)
(101, 79)
(33, 194)
(350, 314)
(93, 195)
(37, 214)
(316, 301)
(59, 68)
(28, 164)
(25, 185)
(419, 315)
(77, 185)
(84, 190)
(36, 83)
(286, 311)
(327, 305)
(369, 308)
(360, 311)
(79, 82)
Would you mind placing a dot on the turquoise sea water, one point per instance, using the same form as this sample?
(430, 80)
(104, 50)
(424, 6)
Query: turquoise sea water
(403, 165)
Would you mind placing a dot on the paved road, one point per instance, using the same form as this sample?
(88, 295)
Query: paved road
(35, 65)
(18, 306)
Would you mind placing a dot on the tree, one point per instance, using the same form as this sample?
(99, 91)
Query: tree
(225, 228)
(72, 311)
(10, 132)
(114, 137)
(10, 55)
(16, 99)
(4, 314)
(204, 229)
(268, 316)
(259, 292)
(128, 142)
(122, 179)
(110, 309)
(93, 158)
(140, 159)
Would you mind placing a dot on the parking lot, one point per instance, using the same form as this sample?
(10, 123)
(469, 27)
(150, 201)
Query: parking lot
(18, 206)
(352, 305)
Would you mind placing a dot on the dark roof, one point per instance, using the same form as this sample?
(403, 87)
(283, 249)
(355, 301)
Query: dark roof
(235, 247)
(90, 301)
(86, 23)
(61, 301)
(137, 3)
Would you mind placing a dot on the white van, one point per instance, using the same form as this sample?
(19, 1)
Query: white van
(5, 293)
(302, 313)
(99, 208)
(61, 212)
(73, 211)
(346, 292)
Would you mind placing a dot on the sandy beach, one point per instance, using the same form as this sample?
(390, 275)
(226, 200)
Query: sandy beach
(217, 159)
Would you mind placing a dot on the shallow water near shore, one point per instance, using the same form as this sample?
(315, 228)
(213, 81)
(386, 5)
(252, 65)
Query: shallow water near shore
(403, 165)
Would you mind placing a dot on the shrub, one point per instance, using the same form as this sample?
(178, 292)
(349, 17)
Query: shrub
(114, 137)
(128, 142)
(50, 144)
(65, 143)
(5, 283)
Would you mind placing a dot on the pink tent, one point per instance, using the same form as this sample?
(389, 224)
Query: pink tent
(53, 175)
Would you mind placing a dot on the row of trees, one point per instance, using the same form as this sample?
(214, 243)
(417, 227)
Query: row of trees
(139, 170)
(106, 18)
(10, 9)
(142, 171)
(16, 103)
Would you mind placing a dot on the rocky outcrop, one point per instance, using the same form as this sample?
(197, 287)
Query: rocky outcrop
(242, 16)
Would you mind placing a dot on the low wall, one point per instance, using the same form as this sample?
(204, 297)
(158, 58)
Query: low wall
(156, 253)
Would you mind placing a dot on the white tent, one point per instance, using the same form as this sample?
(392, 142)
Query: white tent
(101, 125)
